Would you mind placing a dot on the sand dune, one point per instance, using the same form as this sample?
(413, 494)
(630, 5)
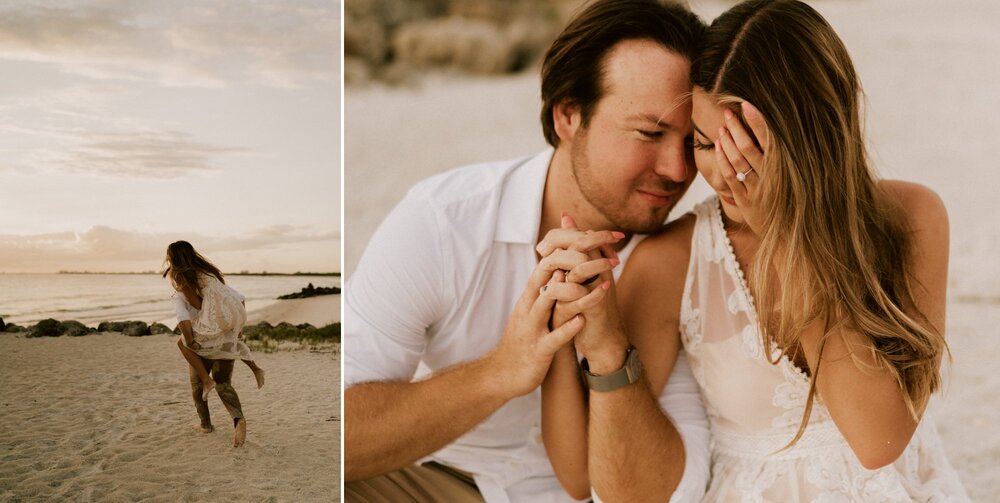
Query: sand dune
(106, 417)
(317, 311)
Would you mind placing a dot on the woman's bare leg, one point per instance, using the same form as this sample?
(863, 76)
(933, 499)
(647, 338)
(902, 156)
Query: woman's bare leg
(194, 360)
(258, 373)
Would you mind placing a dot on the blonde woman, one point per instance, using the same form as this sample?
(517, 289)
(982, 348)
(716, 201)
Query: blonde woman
(211, 316)
(808, 294)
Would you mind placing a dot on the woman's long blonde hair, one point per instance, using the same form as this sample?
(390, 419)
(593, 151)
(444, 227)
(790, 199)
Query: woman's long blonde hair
(183, 264)
(828, 229)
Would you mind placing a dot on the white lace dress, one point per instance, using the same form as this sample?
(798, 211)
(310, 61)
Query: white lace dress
(755, 408)
(217, 325)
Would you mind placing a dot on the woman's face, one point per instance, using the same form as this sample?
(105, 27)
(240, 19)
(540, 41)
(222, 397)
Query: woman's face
(707, 118)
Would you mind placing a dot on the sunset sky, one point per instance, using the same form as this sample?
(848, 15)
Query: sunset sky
(128, 124)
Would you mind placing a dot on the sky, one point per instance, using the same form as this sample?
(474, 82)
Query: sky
(128, 124)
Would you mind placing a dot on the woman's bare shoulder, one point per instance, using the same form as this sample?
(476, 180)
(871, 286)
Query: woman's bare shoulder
(923, 210)
(662, 256)
(670, 242)
(915, 200)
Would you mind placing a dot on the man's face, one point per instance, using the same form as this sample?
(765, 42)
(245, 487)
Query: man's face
(633, 161)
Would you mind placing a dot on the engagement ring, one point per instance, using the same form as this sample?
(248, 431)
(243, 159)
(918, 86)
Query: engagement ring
(740, 177)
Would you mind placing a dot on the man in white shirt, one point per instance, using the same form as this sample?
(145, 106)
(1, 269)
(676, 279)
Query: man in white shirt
(446, 346)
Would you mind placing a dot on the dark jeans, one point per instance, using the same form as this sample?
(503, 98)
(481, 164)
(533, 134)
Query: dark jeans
(222, 372)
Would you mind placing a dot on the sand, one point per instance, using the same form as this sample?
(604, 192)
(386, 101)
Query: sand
(927, 72)
(317, 311)
(106, 417)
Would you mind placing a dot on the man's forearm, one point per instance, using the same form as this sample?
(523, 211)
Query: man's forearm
(390, 425)
(636, 453)
(186, 332)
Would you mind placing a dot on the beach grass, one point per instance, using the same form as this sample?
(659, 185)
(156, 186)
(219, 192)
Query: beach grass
(264, 337)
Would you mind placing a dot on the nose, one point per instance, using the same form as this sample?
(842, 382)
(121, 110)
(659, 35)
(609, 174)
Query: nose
(674, 162)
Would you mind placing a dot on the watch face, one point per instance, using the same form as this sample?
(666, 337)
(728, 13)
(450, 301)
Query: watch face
(629, 373)
(633, 365)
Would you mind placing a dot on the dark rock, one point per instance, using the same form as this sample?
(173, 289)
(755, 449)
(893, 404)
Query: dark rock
(252, 331)
(136, 329)
(130, 328)
(111, 326)
(13, 328)
(3, 325)
(311, 291)
(159, 328)
(46, 328)
(305, 326)
(74, 328)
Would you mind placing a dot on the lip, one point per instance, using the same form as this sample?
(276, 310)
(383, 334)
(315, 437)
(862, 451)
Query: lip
(658, 199)
(727, 199)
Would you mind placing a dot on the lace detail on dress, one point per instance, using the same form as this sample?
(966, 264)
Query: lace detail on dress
(755, 407)
(220, 321)
(734, 269)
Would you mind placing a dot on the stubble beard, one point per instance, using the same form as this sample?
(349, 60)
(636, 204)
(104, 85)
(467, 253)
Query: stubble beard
(605, 203)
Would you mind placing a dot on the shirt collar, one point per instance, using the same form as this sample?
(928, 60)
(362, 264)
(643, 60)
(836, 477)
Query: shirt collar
(520, 211)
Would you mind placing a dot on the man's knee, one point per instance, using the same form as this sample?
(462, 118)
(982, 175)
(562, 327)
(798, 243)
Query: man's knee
(222, 371)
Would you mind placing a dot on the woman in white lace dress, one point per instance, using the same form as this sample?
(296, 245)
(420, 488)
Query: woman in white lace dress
(210, 313)
(808, 294)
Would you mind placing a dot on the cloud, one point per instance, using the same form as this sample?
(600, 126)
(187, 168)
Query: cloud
(218, 44)
(138, 154)
(106, 249)
(166, 154)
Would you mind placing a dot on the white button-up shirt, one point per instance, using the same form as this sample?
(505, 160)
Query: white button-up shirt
(435, 288)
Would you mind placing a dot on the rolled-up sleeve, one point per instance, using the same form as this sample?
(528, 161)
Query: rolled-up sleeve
(681, 400)
(395, 294)
(180, 307)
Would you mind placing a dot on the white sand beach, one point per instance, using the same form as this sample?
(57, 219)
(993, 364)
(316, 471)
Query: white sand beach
(316, 311)
(106, 417)
(928, 73)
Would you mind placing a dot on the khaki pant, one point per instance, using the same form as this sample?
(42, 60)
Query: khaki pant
(428, 483)
(222, 373)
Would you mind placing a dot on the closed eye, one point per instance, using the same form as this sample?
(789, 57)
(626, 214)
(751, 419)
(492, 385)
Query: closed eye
(650, 135)
(698, 145)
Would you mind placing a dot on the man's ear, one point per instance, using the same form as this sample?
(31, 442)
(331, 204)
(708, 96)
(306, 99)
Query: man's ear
(567, 119)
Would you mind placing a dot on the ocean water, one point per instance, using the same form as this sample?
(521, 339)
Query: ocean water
(92, 298)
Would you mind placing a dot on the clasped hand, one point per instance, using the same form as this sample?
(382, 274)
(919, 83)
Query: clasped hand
(556, 305)
(587, 288)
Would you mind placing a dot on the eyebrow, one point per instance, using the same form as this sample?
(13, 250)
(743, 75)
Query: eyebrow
(655, 119)
(702, 133)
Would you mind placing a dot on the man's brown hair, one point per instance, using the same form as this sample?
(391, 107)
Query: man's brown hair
(573, 68)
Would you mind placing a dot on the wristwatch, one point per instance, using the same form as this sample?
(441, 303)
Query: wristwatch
(630, 372)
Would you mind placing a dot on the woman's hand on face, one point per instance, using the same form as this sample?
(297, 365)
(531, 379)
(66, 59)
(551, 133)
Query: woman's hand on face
(737, 154)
